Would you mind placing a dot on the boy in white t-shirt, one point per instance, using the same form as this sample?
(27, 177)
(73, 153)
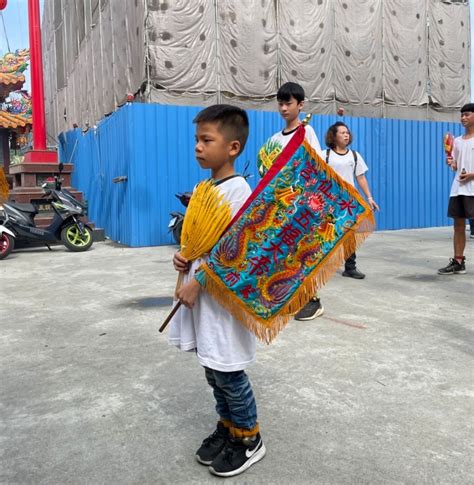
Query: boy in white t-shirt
(290, 99)
(224, 347)
(461, 198)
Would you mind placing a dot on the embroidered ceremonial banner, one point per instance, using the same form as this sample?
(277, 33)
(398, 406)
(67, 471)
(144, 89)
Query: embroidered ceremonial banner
(295, 230)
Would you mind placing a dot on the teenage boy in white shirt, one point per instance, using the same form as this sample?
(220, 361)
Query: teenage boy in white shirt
(461, 198)
(290, 99)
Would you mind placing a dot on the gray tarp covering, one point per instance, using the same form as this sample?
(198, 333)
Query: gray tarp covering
(306, 52)
(401, 58)
(358, 73)
(182, 46)
(93, 56)
(449, 66)
(395, 58)
(405, 62)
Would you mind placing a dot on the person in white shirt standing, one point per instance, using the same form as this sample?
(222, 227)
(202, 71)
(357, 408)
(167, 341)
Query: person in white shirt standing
(349, 165)
(290, 99)
(461, 198)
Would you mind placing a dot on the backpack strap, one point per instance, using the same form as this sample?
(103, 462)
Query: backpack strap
(354, 153)
(328, 151)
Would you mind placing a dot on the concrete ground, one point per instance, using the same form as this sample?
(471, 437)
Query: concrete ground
(379, 390)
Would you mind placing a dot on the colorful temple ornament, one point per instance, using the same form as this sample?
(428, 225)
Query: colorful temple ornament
(19, 103)
(15, 62)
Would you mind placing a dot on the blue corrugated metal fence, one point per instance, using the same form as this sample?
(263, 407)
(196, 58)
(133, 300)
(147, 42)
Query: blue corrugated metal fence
(153, 146)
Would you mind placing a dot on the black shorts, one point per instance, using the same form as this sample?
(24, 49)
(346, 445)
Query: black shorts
(461, 207)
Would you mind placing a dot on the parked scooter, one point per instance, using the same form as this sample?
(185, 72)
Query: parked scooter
(66, 227)
(7, 241)
(176, 222)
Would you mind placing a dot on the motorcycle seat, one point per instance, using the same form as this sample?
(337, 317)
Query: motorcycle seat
(30, 208)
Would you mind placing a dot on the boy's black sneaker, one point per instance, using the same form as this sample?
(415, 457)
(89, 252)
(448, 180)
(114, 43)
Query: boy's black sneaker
(454, 267)
(213, 445)
(237, 456)
(311, 310)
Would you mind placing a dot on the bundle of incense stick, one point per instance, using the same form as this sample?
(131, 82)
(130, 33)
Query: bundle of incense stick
(206, 218)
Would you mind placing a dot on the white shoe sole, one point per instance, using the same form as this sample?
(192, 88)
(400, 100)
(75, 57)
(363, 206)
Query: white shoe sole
(312, 317)
(454, 272)
(254, 459)
(202, 462)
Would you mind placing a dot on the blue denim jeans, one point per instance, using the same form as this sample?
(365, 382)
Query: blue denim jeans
(234, 397)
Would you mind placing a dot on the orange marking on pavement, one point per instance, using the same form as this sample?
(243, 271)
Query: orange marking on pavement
(345, 322)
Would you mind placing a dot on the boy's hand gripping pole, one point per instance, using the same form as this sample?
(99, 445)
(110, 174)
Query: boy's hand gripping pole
(178, 304)
(170, 316)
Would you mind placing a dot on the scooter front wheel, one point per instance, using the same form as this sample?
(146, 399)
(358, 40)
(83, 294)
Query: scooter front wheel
(7, 243)
(73, 239)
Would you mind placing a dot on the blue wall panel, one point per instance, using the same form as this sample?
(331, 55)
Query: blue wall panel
(153, 145)
(99, 155)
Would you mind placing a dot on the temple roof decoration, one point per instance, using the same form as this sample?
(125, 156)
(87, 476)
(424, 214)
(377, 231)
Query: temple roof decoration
(12, 65)
(12, 121)
(15, 113)
(15, 62)
(19, 103)
(10, 82)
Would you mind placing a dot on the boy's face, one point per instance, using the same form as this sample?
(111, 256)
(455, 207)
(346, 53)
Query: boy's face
(467, 119)
(290, 110)
(213, 149)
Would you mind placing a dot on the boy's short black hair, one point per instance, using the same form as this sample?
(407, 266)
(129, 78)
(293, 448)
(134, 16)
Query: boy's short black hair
(468, 107)
(233, 121)
(289, 90)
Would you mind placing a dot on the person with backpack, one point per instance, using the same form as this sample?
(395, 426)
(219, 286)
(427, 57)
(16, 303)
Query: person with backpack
(349, 165)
